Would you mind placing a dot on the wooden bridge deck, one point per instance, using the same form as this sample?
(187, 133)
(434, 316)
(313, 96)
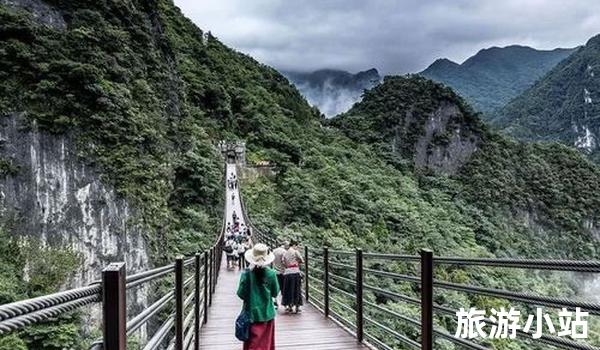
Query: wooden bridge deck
(307, 330)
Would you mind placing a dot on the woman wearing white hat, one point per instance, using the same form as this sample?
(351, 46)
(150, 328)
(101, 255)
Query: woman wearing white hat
(257, 288)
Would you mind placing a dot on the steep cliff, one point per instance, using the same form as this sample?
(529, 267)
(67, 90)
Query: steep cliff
(110, 113)
(415, 119)
(53, 195)
(562, 106)
(108, 130)
(547, 188)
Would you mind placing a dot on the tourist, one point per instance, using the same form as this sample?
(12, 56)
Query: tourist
(240, 249)
(230, 249)
(258, 285)
(279, 266)
(292, 279)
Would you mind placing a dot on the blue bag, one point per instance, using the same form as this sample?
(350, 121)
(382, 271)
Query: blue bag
(242, 326)
(242, 323)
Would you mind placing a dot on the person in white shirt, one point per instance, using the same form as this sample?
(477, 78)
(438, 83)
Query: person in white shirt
(230, 249)
(279, 266)
(240, 249)
(291, 297)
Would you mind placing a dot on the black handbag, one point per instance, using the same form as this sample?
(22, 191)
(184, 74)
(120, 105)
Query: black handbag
(242, 322)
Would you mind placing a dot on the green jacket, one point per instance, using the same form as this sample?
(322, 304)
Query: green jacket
(260, 301)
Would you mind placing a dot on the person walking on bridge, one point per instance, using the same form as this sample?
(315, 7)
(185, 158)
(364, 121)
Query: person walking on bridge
(258, 285)
(279, 265)
(292, 279)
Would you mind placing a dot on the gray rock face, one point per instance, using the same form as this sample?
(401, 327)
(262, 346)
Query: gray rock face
(54, 196)
(444, 147)
(41, 12)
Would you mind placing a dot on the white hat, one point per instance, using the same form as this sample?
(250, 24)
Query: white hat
(259, 255)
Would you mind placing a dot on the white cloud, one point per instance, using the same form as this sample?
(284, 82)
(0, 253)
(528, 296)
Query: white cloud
(396, 36)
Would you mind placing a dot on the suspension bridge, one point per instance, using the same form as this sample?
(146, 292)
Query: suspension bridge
(348, 295)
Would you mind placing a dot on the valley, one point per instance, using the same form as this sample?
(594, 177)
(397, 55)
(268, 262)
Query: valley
(112, 114)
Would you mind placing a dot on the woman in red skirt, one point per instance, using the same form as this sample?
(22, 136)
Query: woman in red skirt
(257, 288)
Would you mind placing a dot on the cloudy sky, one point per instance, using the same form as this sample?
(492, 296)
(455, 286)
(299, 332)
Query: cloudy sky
(395, 36)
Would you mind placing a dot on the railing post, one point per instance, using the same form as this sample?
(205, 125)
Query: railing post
(359, 295)
(326, 281)
(215, 268)
(114, 308)
(306, 273)
(205, 285)
(179, 303)
(219, 257)
(210, 277)
(197, 303)
(426, 299)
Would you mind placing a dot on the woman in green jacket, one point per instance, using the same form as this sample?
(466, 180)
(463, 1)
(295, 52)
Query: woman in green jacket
(257, 288)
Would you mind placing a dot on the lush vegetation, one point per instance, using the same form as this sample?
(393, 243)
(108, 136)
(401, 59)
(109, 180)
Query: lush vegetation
(562, 106)
(551, 185)
(147, 94)
(494, 76)
(509, 200)
(29, 270)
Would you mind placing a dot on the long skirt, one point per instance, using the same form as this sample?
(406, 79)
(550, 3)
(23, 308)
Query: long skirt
(281, 282)
(292, 290)
(262, 336)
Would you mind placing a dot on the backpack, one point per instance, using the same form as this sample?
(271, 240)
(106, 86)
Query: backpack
(242, 322)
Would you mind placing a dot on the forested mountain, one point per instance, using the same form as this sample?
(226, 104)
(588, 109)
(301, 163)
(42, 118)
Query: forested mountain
(111, 111)
(563, 105)
(414, 122)
(494, 76)
(333, 91)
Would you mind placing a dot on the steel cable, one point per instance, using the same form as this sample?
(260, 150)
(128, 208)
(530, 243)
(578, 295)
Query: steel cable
(23, 307)
(21, 321)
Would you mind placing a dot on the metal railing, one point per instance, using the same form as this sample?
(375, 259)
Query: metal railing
(337, 287)
(195, 280)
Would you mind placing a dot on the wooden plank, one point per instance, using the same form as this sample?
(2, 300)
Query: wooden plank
(307, 330)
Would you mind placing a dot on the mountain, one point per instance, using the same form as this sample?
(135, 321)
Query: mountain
(414, 122)
(563, 105)
(110, 113)
(109, 116)
(333, 91)
(492, 77)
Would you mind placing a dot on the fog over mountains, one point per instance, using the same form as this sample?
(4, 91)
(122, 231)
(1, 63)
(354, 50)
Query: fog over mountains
(333, 91)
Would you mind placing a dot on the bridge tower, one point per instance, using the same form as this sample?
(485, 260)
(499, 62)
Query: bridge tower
(233, 151)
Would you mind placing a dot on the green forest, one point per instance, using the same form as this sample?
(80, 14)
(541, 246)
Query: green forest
(560, 106)
(148, 95)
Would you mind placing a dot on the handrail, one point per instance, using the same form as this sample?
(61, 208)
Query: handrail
(24, 307)
(330, 276)
(110, 292)
(337, 292)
